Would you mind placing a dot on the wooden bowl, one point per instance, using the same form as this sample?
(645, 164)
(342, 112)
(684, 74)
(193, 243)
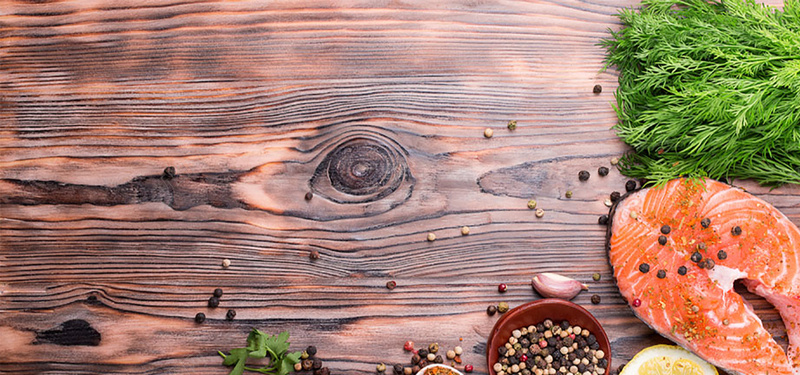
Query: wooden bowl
(535, 312)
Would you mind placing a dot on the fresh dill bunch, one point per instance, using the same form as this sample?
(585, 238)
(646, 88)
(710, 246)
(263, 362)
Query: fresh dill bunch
(709, 88)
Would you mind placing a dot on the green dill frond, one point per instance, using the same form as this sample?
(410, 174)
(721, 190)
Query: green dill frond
(709, 89)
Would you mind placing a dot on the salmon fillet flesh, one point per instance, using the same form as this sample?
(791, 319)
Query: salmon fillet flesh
(676, 251)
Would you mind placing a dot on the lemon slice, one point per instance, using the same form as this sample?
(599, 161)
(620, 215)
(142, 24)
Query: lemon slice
(667, 360)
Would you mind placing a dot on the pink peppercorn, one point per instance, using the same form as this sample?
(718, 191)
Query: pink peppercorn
(572, 336)
(637, 302)
(468, 368)
(409, 346)
(502, 288)
(523, 358)
(543, 343)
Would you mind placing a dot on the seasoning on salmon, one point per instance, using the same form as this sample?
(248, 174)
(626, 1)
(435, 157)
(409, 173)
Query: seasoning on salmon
(700, 310)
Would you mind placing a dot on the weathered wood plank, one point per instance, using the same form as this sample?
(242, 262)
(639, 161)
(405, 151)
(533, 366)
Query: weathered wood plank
(378, 108)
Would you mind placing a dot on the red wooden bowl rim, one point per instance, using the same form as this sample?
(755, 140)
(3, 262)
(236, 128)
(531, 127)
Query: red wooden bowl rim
(491, 346)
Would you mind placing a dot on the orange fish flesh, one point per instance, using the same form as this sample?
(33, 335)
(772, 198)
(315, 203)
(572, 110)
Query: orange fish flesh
(700, 310)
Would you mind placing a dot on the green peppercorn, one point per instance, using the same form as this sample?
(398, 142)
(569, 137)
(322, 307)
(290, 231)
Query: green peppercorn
(532, 204)
(596, 276)
(512, 125)
(381, 367)
(304, 355)
(568, 194)
(433, 348)
(502, 307)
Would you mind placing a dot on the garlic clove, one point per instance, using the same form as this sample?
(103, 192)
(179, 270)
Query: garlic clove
(553, 285)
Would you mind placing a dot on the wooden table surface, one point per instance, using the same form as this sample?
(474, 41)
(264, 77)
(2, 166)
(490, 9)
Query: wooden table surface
(377, 107)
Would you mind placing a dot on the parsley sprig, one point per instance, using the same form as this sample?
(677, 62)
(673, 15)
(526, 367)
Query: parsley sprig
(259, 345)
(709, 88)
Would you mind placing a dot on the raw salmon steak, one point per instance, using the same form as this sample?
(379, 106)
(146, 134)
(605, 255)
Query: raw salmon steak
(676, 251)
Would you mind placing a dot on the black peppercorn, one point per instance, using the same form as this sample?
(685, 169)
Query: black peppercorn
(316, 364)
(696, 257)
(313, 255)
(322, 371)
(597, 89)
(230, 314)
(602, 220)
(710, 264)
(169, 173)
(564, 325)
(615, 195)
(309, 195)
(213, 302)
(398, 369)
(722, 255)
(311, 350)
(602, 171)
(736, 231)
(682, 270)
(200, 317)
(583, 175)
(705, 223)
(701, 264)
(644, 268)
(415, 359)
(662, 240)
(502, 351)
(661, 274)
(630, 185)
(491, 310)
(423, 353)
(665, 229)
(218, 292)
(595, 299)
(438, 359)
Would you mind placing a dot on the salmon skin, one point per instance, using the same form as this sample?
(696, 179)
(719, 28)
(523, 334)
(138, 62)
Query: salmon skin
(681, 285)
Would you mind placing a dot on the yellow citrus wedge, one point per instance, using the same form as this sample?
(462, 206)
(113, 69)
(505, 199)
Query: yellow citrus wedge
(667, 360)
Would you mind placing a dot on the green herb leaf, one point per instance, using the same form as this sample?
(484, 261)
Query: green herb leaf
(278, 344)
(258, 345)
(709, 88)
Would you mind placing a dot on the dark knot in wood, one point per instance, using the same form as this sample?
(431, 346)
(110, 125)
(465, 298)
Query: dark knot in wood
(360, 170)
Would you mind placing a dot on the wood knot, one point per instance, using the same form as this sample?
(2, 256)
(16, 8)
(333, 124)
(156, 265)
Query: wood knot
(361, 170)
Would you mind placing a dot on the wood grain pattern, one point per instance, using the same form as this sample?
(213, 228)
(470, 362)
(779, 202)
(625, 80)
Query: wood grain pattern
(377, 107)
